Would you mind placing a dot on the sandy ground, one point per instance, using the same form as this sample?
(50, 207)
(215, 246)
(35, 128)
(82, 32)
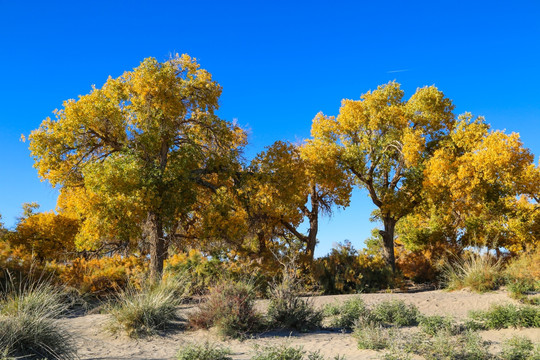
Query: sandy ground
(93, 342)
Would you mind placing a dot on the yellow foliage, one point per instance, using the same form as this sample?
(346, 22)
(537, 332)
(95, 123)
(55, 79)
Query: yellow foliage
(102, 276)
(47, 235)
(15, 259)
(483, 182)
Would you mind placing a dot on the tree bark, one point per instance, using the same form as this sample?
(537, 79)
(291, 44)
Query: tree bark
(313, 226)
(158, 246)
(388, 241)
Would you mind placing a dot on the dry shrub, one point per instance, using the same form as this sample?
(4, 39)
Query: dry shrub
(287, 310)
(19, 268)
(422, 265)
(229, 306)
(522, 273)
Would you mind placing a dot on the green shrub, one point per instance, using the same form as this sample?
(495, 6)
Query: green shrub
(474, 348)
(508, 315)
(287, 310)
(396, 312)
(347, 314)
(431, 325)
(474, 325)
(230, 307)
(141, 313)
(346, 271)
(279, 353)
(468, 345)
(204, 351)
(373, 336)
(517, 348)
(397, 355)
(29, 327)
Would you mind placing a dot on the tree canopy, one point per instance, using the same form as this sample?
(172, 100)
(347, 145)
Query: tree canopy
(149, 138)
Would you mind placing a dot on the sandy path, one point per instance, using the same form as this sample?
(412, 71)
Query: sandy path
(95, 343)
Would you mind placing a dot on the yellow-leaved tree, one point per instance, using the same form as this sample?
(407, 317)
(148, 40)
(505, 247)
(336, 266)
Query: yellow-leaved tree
(481, 188)
(261, 210)
(291, 184)
(384, 142)
(148, 138)
(45, 235)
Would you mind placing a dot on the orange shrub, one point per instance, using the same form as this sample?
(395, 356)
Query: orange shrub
(104, 275)
(523, 273)
(421, 265)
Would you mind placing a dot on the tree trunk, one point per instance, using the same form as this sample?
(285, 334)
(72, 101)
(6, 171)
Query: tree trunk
(313, 226)
(388, 242)
(158, 246)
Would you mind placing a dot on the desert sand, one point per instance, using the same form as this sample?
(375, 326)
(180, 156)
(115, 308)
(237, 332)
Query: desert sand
(93, 342)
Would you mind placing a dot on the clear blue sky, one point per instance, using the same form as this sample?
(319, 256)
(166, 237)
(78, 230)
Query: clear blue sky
(279, 62)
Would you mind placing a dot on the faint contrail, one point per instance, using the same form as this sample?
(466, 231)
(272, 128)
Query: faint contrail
(396, 71)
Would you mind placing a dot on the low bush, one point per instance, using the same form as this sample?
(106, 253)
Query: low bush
(443, 345)
(478, 272)
(283, 352)
(206, 351)
(29, 326)
(201, 271)
(396, 312)
(373, 336)
(347, 314)
(101, 277)
(396, 355)
(508, 315)
(142, 312)
(229, 306)
(432, 325)
(518, 348)
(346, 271)
(522, 274)
(287, 310)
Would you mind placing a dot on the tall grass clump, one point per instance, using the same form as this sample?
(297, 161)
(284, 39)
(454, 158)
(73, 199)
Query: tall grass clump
(396, 312)
(287, 309)
(230, 307)
(206, 351)
(478, 272)
(143, 312)
(28, 323)
(347, 314)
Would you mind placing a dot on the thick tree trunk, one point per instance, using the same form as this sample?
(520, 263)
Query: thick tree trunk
(158, 246)
(388, 242)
